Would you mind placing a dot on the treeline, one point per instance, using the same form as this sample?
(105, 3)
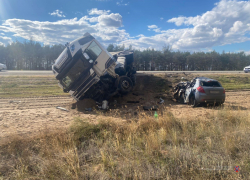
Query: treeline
(169, 60)
(32, 55)
(29, 55)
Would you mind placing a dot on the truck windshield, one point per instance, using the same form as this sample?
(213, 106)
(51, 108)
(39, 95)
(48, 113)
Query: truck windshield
(74, 73)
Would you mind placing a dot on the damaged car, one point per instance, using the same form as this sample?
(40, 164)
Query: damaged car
(200, 90)
(85, 69)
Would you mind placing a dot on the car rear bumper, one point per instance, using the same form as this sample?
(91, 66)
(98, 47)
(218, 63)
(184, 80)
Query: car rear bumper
(204, 98)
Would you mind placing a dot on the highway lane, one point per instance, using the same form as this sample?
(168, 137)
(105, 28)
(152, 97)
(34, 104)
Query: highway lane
(48, 73)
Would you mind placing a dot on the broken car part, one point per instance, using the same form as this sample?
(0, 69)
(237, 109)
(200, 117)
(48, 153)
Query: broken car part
(148, 108)
(61, 108)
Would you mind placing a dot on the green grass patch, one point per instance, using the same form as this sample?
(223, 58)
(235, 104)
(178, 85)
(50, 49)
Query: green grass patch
(29, 86)
(233, 82)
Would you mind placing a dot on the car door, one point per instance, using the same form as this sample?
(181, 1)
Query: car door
(188, 91)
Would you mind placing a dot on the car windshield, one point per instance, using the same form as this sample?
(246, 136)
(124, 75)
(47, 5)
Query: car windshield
(74, 73)
(210, 83)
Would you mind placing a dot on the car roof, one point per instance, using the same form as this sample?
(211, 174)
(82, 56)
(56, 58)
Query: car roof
(205, 79)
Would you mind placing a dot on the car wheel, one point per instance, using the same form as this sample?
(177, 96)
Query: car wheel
(125, 84)
(192, 101)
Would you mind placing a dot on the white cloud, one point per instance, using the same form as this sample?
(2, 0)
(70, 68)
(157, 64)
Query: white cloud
(95, 11)
(104, 27)
(5, 40)
(121, 3)
(247, 52)
(161, 18)
(228, 22)
(57, 13)
(152, 26)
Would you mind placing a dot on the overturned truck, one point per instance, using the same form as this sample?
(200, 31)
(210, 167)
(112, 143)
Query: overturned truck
(85, 69)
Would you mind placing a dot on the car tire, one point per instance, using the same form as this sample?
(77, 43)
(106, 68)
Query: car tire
(125, 84)
(192, 101)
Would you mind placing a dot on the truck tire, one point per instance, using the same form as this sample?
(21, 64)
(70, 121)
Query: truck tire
(125, 84)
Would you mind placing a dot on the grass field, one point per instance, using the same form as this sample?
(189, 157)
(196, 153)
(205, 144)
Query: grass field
(29, 86)
(205, 147)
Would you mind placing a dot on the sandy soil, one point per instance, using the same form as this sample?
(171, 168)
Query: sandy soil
(29, 116)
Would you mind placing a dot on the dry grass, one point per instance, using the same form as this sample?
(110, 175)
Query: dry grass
(143, 148)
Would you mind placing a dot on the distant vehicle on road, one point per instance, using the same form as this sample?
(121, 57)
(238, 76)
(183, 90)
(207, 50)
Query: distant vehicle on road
(200, 90)
(2, 67)
(246, 69)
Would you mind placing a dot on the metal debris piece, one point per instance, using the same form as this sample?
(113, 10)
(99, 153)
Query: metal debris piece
(161, 101)
(88, 109)
(133, 101)
(15, 101)
(105, 104)
(61, 108)
(148, 108)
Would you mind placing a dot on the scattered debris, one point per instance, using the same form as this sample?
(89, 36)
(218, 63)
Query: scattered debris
(161, 101)
(148, 108)
(133, 101)
(138, 94)
(61, 108)
(15, 101)
(105, 105)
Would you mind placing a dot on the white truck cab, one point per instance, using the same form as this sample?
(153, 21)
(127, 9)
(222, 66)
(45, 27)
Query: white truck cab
(86, 69)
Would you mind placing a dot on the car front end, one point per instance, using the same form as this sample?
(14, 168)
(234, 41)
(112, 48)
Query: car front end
(246, 69)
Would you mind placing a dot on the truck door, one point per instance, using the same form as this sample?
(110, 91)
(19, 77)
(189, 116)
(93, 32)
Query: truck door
(100, 56)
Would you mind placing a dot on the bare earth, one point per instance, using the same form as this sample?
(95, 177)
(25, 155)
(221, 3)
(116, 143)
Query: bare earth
(28, 116)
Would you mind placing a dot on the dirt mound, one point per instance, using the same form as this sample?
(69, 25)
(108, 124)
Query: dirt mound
(84, 105)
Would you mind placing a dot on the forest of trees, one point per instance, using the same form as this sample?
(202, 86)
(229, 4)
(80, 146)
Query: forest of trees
(169, 60)
(29, 55)
(32, 55)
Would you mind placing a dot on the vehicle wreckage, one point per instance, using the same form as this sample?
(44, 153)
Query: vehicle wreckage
(200, 90)
(85, 69)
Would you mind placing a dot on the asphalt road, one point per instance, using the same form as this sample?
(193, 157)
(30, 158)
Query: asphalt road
(47, 73)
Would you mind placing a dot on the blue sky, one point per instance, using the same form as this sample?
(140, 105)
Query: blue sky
(197, 25)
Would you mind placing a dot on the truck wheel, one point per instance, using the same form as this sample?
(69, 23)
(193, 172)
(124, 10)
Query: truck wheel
(125, 84)
(192, 101)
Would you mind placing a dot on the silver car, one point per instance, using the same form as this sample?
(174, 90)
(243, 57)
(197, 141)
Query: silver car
(246, 69)
(200, 90)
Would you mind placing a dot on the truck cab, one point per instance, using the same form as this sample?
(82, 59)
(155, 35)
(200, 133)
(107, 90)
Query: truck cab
(86, 69)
